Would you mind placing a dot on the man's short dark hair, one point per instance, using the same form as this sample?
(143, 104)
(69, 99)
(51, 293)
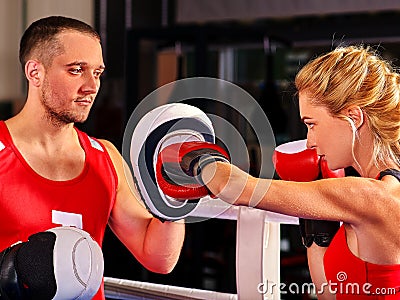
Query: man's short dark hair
(40, 38)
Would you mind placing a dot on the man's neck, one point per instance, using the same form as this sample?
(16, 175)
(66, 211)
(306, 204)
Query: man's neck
(25, 128)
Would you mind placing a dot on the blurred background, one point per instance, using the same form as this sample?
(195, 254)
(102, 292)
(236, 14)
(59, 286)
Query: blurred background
(258, 45)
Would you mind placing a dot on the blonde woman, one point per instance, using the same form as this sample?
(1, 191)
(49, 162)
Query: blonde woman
(349, 100)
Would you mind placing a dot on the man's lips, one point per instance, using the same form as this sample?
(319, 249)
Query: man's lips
(84, 101)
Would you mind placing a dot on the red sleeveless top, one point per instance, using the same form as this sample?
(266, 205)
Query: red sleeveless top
(352, 278)
(31, 203)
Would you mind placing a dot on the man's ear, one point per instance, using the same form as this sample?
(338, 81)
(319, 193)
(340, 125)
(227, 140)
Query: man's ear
(34, 72)
(356, 115)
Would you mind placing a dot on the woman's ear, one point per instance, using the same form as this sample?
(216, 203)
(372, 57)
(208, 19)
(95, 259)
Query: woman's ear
(34, 72)
(356, 115)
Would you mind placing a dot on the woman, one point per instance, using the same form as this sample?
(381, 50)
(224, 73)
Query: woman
(349, 101)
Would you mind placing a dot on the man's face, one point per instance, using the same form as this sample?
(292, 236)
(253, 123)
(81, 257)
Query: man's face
(72, 81)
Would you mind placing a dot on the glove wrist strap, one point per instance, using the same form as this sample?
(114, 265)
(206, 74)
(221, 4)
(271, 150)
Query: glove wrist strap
(204, 161)
(319, 232)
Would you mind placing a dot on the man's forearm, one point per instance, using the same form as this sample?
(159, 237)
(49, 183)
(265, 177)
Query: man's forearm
(163, 244)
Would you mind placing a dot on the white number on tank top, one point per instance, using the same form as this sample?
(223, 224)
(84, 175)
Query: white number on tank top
(66, 219)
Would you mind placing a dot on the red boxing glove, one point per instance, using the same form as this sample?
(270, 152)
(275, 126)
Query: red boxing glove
(178, 168)
(295, 162)
(328, 173)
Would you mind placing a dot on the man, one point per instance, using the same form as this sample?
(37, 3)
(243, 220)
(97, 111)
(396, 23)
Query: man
(53, 174)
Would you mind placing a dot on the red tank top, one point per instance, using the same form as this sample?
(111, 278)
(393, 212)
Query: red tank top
(31, 203)
(353, 278)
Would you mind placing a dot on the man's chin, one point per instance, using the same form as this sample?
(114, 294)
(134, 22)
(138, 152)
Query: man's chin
(80, 119)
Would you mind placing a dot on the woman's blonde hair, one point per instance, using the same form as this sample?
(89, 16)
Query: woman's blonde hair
(357, 75)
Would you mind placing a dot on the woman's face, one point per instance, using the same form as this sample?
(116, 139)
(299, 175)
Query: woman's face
(330, 136)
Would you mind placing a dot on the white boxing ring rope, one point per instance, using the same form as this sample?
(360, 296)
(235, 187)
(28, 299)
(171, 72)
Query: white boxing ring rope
(128, 289)
(257, 258)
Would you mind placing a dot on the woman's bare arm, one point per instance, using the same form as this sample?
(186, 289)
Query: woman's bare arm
(348, 199)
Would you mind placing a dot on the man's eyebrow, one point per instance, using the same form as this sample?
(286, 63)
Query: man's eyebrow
(76, 63)
(82, 63)
(304, 118)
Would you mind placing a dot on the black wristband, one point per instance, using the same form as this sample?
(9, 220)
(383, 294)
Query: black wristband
(392, 172)
(320, 232)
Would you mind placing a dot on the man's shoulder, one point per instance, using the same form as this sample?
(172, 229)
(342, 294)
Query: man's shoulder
(110, 148)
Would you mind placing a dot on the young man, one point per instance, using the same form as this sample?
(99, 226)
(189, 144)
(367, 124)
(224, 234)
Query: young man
(53, 174)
